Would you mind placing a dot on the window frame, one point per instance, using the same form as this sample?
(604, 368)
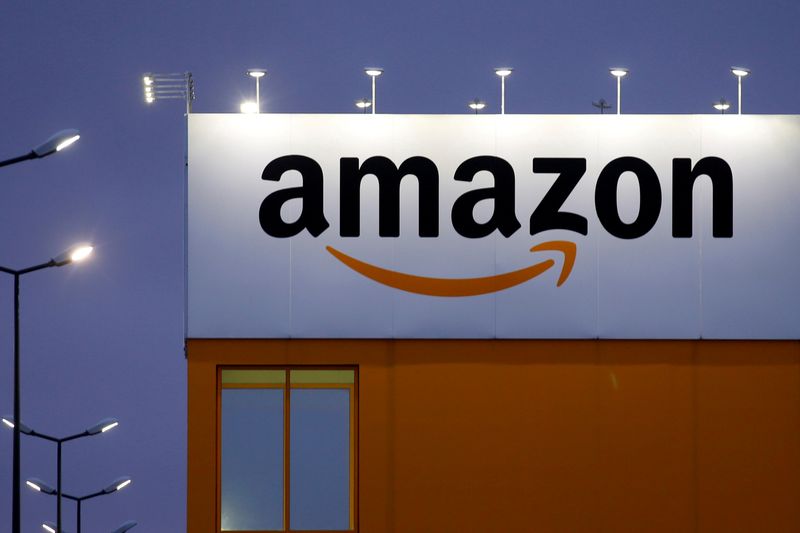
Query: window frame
(287, 387)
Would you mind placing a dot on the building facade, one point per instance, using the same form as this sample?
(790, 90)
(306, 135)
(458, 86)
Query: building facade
(493, 323)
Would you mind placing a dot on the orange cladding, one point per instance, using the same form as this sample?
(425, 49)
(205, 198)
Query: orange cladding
(546, 436)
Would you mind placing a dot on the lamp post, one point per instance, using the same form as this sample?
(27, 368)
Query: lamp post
(257, 73)
(363, 104)
(116, 485)
(722, 106)
(503, 72)
(740, 72)
(477, 105)
(373, 72)
(619, 73)
(55, 143)
(101, 427)
(76, 254)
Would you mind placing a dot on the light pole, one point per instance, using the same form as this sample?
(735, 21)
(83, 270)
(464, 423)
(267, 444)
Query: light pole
(101, 427)
(503, 72)
(619, 73)
(257, 73)
(373, 72)
(363, 104)
(116, 485)
(76, 254)
(740, 72)
(722, 106)
(55, 143)
(180, 86)
(477, 105)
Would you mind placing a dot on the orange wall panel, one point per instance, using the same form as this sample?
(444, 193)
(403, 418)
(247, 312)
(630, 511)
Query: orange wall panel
(555, 436)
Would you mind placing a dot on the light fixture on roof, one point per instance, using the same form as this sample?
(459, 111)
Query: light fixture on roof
(256, 73)
(248, 107)
(503, 72)
(619, 73)
(373, 72)
(740, 72)
(722, 106)
(363, 104)
(477, 105)
(169, 86)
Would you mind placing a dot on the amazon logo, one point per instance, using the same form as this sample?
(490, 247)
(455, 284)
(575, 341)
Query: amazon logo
(548, 215)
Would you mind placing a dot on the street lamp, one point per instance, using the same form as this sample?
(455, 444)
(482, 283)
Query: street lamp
(477, 105)
(722, 106)
(101, 427)
(619, 73)
(73, 255)
(363, 104)
(503, 72)
(169, 86)
(373, 72)
(55, 143)
(116, 485)
(257, 73)
(740, 72)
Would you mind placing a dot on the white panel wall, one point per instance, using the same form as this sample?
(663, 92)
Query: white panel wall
(246, 284)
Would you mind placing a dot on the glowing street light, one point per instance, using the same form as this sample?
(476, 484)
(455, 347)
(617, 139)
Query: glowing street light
(373, 72)
(722, 106)
(363, 104)
(116, 485)
(619, 73)
(477, 105)
(55, 143)
(73, 255)
(256, 73)
(740, 72)
(503, 72)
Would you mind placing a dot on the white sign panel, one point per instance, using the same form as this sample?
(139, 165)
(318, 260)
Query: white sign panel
(515, 226)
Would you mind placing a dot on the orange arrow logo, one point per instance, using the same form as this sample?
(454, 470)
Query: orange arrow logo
(463, 286)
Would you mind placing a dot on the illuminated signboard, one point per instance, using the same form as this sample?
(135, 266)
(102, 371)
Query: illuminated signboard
(515, 226)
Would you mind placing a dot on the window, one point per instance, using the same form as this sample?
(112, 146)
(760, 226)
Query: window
(287, 449)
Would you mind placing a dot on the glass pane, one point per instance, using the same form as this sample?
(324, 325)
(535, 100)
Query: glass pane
(254, 377)
(322, 376)
(319, 459)
(252, 459)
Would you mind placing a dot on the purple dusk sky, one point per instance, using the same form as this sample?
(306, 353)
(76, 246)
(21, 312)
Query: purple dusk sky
(105, 338)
